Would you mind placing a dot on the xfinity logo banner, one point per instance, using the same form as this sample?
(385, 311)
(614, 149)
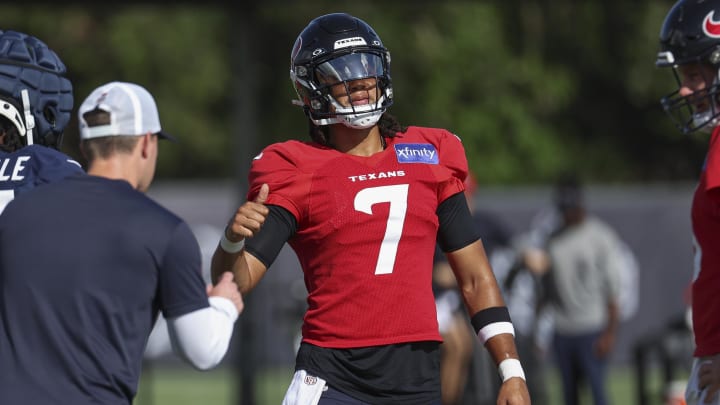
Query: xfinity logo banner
(416, 153)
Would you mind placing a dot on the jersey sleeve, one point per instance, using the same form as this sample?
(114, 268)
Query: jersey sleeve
(454, 162)
(181, 286)
(278, 165)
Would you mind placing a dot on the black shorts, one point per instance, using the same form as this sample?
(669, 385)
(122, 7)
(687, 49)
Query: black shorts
(402, 374)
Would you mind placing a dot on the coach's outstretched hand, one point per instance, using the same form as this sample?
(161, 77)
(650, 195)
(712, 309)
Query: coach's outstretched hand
(227, 288)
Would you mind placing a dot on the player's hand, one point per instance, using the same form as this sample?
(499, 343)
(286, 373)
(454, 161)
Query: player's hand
(709, 378)
(227, 288)
(248, 219)
(536, 260)
(514, 392)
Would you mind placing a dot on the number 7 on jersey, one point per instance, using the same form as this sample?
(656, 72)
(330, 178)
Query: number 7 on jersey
(397, 197)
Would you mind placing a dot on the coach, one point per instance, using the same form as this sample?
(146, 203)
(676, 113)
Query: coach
(87, 264)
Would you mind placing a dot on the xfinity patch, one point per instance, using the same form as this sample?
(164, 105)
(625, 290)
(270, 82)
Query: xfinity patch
(416, 153)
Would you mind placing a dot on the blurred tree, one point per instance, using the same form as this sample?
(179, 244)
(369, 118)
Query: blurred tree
(533, 87)
(179, 53)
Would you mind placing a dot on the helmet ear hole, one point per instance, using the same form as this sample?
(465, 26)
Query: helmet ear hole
(50, 114)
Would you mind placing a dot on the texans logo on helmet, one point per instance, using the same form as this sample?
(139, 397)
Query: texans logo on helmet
(710, 26)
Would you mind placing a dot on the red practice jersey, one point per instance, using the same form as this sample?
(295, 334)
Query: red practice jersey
(366, 232)
(706, 232)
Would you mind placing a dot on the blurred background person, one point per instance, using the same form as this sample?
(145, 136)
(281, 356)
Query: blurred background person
(528, 287)
(582, 286)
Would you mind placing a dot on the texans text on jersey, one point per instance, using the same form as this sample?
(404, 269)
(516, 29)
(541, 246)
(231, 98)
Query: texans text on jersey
(375, 176)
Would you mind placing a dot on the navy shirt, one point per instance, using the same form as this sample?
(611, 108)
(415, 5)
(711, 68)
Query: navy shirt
(86, 264)
(31, 166)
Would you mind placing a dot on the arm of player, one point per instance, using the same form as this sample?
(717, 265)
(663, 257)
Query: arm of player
(230, 256)
(202, 337)
(606, 341)
(481, 295)
(611, 268)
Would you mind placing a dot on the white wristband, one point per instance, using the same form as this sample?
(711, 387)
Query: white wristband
(229, 246)
(510, 368)
(494, 329)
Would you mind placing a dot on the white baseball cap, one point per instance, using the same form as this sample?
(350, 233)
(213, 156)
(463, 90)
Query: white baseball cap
(132, 112)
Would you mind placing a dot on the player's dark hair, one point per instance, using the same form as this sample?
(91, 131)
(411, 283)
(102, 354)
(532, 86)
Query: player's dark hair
(11, 140)
(388, 124)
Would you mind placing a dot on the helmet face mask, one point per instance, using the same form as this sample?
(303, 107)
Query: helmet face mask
(335, 57)
(698, 110)
(690, 39)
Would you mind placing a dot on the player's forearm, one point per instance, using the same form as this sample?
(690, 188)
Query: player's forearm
(220, 263)
(613, 318)
(236, 263)
(489, 315)
(501, 347)
(499, 340)
(481, 294)
(475, 278)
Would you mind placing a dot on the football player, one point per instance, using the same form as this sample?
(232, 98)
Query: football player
(690, 46)
(362, 205)
(36, 101)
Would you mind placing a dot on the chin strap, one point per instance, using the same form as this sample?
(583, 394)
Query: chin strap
(29, 118)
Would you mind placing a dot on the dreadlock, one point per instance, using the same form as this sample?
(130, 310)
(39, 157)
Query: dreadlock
(388, 124)
(11, 139)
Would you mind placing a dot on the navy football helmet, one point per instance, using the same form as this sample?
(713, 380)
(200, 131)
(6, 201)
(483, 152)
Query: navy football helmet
(35, 95)
(691, 34)
(338, 49)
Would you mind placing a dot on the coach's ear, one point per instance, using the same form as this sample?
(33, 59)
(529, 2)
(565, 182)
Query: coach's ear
(148, 145)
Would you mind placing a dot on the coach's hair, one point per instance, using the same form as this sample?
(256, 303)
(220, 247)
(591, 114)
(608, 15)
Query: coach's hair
(388, 124)
(11, 139)
(105, 146)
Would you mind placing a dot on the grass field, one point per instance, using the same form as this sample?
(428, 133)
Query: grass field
(184, 386)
